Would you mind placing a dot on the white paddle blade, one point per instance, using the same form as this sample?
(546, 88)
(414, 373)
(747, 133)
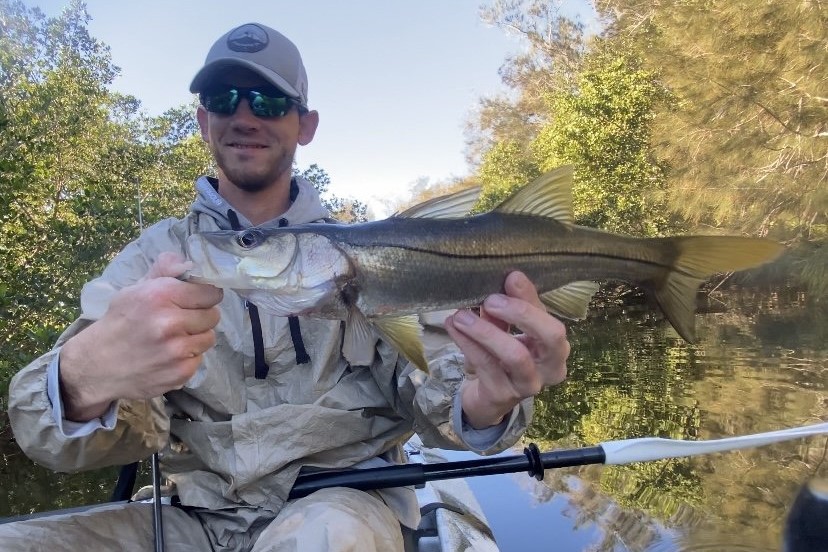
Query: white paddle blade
(654, 448)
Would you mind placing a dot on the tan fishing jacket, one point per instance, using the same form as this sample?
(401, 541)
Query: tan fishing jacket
(229, 440)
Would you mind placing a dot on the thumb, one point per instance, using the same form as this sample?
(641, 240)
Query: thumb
(168, 264)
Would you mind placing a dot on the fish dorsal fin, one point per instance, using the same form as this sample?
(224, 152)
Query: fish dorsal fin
(570, 301)
(451, 206)
(405, 334)
(549, 195)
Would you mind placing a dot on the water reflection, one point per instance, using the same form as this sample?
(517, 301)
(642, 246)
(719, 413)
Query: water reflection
(757, 366)
(760, 364)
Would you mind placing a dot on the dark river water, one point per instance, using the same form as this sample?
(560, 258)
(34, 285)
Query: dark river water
(760, 363)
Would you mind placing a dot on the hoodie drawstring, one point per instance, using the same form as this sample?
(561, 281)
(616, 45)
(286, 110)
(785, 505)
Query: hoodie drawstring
(261, 366)
(302, 356)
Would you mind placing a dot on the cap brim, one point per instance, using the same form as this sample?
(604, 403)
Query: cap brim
(209, 72)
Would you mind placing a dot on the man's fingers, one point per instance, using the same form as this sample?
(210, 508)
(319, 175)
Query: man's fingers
(168, 264)
(518, 285)
(197, 321)
(486, 342)
(475, 354)
(197, 296)
(530, 318)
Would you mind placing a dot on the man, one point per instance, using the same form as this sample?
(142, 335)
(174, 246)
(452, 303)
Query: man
(238, 401)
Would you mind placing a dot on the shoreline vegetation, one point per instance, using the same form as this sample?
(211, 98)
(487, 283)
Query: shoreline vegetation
(669, 130)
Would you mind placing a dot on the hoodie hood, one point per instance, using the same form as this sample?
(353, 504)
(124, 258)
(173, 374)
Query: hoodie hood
(305, 205)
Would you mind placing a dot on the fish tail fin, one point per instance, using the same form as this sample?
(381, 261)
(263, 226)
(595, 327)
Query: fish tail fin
(697, 258)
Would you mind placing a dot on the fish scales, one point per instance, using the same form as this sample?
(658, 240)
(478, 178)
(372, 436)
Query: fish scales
(410, 265)
(434, 257)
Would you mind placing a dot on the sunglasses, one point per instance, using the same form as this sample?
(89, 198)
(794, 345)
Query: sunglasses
(264, 102)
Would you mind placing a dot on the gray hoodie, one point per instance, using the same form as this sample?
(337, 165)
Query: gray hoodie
(231, 441)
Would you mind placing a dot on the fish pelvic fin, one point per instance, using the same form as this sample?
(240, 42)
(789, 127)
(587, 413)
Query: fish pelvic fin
(570, 301)
(549, 195)
(698, 258)
(405, 334)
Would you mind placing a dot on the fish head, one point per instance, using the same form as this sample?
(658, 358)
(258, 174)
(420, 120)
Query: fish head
(250, 259)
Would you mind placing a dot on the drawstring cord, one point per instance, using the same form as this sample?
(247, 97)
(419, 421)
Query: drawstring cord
(261, 366)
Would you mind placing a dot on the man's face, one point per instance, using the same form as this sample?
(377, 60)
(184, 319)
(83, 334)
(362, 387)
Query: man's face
(253, 153)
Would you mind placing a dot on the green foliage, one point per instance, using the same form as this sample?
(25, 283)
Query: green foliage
(505, 168)
(591, 107)
(77, 161)
(603, 127)
(747, 144)
(682, 115)
(61, 216)
(554, 48)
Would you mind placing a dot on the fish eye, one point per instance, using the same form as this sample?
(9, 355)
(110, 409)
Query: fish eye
(249, 238)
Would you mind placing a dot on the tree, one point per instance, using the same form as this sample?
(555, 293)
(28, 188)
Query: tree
(747, 145)
(555, 46)
(603, 126)
(342, 209)
(506, 167)
(590, 104)
(76, 161)
(58, 142)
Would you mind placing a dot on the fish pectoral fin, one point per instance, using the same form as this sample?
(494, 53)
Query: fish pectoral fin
(549, 195)
(570, 301)
(452, 206)
(405, 334)
(360, 342)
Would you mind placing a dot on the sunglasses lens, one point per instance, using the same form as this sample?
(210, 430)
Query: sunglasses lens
(263, 105)
(221, 101)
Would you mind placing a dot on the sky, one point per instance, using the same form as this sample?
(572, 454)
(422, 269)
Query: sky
(394, 82)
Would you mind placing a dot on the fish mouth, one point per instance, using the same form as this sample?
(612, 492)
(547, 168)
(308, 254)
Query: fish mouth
(212, 264)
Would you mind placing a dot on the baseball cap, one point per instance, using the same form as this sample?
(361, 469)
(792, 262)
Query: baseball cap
(262, 50)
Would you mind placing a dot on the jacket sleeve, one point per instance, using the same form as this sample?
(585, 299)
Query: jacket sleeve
(435, 402)
(141, 426)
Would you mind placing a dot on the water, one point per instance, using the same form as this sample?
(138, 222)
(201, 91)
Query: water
(760, 363)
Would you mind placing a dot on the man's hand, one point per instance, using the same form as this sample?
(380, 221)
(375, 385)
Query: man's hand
(149, 341)
(501, 368)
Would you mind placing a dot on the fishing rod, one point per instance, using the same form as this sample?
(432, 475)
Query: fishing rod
(157, 516)
(534, 462)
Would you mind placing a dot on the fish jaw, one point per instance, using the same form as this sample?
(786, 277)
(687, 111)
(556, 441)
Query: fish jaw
(282, 272)
(221, 260)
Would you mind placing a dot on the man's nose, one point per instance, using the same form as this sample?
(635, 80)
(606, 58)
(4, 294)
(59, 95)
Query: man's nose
(244, 115)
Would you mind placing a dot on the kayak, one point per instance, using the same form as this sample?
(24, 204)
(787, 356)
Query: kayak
(452, 518)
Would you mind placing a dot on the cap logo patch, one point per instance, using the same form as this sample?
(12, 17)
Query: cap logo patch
(247, 38)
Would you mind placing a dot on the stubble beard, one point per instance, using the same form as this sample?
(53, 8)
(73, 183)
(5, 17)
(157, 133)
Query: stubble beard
(252, 179)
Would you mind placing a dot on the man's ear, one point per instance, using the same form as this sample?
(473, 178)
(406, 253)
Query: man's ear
(203, 123)
(307, 127)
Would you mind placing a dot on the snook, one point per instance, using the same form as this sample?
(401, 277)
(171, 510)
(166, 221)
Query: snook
(434, 257)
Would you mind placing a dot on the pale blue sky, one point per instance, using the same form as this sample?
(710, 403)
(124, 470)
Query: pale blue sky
(393, 81)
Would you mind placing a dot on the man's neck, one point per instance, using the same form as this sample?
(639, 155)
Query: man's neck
(260, 206)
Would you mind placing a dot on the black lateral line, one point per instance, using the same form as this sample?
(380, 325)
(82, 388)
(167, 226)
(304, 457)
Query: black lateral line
(480, 256)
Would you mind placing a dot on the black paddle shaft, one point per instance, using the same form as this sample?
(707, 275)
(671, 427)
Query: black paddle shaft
(532, 461)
